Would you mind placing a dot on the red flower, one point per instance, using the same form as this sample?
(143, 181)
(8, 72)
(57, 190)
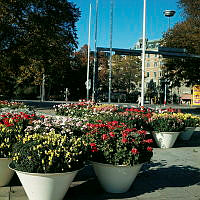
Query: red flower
(124, 140)
(104, 137)
(148, 141)
(142, 132)
(112, 134)
(149, 149)
(93, 147)
(134, 151)
(92, 144)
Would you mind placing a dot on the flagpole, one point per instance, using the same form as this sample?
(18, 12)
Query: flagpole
(110, 61)
(143, 52)
(95, 55)
(88, 63)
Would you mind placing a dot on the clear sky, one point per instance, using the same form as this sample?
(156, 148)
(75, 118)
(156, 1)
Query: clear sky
(127, 21)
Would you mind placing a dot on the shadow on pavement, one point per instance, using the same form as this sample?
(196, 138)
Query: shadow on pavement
(153, 177)
(193, 142)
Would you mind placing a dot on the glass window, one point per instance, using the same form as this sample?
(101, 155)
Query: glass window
(155, 74)
(148, 64)
(155, 64)
(147, 74)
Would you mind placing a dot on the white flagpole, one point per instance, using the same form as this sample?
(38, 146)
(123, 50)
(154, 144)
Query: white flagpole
(110, 61)
(88, 63)
(143, 52)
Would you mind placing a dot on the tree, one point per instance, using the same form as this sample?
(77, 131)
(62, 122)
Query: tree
(126, 73)
(185, 34)
(38, 37)
(152, 90)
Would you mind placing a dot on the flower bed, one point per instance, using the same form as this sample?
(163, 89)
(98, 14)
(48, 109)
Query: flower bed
(51, 152)
(12, 126)
(113, 142)
(166, 122)
(12, 105)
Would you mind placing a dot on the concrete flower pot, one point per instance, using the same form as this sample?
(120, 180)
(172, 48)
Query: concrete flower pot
(6, 174)
(49, 186)
(165, 139)
(187, 133)
(116, 179)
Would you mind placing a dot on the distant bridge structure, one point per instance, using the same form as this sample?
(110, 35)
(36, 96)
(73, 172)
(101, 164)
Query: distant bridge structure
(164, 51)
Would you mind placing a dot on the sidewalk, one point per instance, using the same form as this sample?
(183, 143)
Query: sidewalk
(173, 174)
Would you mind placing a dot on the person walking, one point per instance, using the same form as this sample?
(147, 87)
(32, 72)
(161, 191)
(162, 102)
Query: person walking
(139, 100)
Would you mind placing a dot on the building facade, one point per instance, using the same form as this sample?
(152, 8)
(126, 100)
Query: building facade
(153, 71)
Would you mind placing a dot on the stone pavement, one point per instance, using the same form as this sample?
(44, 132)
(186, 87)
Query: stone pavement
(173, 174)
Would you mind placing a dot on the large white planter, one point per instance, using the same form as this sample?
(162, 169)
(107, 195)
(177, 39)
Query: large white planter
(187, 133)
(165, 139)
(6, 174)
(116, 179)
(49, 186)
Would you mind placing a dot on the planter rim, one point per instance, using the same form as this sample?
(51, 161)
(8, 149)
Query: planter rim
(111, 165)
(44, 174)
(167, 132)
(5, 158)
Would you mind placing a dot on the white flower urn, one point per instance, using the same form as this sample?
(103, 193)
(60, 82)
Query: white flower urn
(6, 173)
(116, 179)
(187, 133)
(165, 140)
(46, 186)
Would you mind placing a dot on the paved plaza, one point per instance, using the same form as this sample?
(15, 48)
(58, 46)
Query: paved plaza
(172, 174)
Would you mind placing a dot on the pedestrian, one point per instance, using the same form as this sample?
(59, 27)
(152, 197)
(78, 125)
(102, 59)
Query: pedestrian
(139, 101)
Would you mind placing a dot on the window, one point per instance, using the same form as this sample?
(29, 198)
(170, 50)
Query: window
(148, 64)
(155, 74)
(155, 64)
(147, 74)
(155, 55)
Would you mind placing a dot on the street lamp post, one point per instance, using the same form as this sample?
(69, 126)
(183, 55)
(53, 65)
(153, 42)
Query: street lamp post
(167, 13)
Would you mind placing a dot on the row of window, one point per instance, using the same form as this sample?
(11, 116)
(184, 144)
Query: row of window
(155, 74)
(155, 64)
(151, 55)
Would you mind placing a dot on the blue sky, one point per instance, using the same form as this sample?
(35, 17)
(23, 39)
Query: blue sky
(127, 21)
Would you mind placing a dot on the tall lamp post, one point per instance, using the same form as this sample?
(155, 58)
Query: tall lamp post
(168, 13)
